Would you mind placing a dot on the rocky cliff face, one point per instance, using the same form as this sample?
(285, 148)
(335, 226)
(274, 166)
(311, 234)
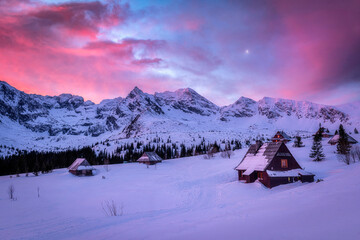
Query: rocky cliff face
(273, 108)
(188, 101)
(67, 114)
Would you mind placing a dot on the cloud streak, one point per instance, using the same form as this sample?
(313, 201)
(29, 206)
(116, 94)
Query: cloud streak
(101, 49)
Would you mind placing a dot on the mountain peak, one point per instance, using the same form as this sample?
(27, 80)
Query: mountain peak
(187, 93)
(243, 100)
(186, 90)
(135, 92)
(7, 86)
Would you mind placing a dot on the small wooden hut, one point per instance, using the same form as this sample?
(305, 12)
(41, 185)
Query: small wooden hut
(149, 158)
(81, 167)
(272, 164)
(334, 140)
(281, 136)
(324, 133)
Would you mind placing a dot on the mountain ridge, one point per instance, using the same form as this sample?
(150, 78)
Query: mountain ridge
(64, 118)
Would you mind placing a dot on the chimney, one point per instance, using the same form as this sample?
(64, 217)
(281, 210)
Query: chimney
(258, 144)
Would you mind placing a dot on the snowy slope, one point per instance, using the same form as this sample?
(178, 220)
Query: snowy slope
(189, 198)
(29, 121)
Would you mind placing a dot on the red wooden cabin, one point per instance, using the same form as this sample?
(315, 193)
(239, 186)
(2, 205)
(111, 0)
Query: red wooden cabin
(281, 136)
(334, 140)
(272, 164)
(81, 167)
(149, 158)
(324, 133)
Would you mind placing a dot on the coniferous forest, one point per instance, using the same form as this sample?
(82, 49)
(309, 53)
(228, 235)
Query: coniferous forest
(35, 162)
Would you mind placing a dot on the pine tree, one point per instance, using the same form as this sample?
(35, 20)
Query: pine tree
(36, 168)
(316, 149)
(356, 131)
(343, 145)
(183, 151)
(298, 142)
(321, 131)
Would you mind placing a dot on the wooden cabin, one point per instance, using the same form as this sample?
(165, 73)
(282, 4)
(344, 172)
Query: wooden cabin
(334, 140)
(325, 133)
(272, 164)
(149, 158)
(81, 167)
(281, 136)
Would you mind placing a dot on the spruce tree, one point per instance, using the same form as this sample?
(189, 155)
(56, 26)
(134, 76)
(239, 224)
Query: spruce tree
(321, 131)
(356, 131)
(36, 168)
(343, 145)
(316, 149)
(298, 142)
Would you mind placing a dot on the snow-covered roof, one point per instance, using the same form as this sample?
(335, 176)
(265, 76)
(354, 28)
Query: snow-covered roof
(259, 160)
(283, 134)
(80, 162)
(85, 168)
(289, 173)
(149, 157)
(336, 137)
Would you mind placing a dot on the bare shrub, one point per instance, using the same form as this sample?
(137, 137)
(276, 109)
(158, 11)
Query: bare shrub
(345, 158)
(11, 192)
(106, 164)
(352, 156)
(208, 155)
(355, 154)
(111, 208)
(226, 154)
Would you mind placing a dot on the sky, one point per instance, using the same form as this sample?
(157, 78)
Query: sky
(301, 50)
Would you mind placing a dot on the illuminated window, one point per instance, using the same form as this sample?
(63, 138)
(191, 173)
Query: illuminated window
(284, 163)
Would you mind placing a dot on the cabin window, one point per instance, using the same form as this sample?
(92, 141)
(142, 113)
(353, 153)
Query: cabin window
(260, 175)
(284, 163)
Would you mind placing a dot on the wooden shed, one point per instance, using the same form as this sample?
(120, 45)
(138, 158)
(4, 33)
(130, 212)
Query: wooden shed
(334, 140)
(272, 164)
(281, 136)
(81, 167)
(149, 158)
(324, 133)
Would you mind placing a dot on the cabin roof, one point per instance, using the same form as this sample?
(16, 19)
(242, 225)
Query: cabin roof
(80, 162)
(260, 159)
(282, 133)
(336, 137)
(324, 132)
(151, 156)
(290, 173)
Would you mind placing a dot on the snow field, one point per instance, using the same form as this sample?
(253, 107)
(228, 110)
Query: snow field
(187, 198)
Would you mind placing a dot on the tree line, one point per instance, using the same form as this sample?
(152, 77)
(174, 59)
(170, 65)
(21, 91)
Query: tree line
(36, 162)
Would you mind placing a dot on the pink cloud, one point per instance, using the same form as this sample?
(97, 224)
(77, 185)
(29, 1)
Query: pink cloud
(51, 49)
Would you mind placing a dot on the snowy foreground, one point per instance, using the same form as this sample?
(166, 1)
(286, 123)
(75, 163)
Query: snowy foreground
(189, 198)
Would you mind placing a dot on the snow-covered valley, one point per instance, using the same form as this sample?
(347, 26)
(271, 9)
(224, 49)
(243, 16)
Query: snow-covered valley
(185, 198)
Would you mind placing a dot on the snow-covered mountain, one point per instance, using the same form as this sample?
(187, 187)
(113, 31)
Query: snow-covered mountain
(274, 108)
(43, 122)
